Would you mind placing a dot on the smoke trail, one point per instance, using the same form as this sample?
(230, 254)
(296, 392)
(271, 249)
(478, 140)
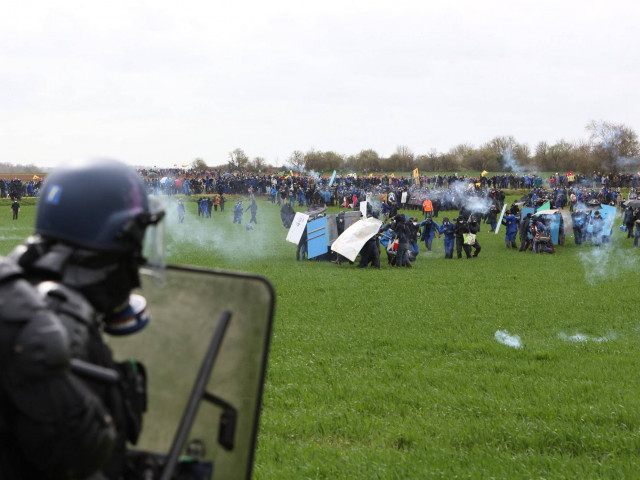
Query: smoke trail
(509, 160)
(582, 338)
(607, 262)
(505, 338)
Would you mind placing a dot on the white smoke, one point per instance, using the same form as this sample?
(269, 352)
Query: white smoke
(214, 235)
(505, 338)
(606, 262)
(469, 197)
(582, 338)
(478, 204)
(509, 160)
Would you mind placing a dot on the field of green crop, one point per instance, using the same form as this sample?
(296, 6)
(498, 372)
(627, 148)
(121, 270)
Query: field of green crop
(397, 373)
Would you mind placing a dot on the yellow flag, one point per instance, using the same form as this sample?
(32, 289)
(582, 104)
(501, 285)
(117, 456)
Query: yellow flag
(370, 175)
(484, 172)
(393, 175)
(291, 172)
(36, 177)
(416, 173)
(184, 166)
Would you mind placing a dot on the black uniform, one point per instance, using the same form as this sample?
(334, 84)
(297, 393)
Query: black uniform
(52, 420)
(370, 253)
(15, 206)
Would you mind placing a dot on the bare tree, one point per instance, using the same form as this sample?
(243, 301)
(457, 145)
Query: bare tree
(259, 164)
(297, 160)
(238, 160)
(615, 145)
(199, 164)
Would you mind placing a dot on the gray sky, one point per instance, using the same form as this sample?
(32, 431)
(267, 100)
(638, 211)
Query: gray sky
(162, 82)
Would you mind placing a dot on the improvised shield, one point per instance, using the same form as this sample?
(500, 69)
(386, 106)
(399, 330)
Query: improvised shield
(332, 228)
(317, 237)
(353, 238)
(205, 352)
(350, 218)
(298, 227)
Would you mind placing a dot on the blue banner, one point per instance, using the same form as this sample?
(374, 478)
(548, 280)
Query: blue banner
(608, 213)
(333, 177)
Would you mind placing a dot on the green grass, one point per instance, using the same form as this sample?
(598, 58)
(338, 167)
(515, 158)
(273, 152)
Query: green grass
(395, 373)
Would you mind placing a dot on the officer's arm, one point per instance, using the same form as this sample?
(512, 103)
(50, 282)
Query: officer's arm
(58, 425)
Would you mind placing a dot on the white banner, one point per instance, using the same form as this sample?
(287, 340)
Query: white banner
(297, 227)
(353, 238)
(504, 209)
(363, 209)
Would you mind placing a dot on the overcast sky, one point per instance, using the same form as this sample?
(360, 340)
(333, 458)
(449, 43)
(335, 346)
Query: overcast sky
(163, 82)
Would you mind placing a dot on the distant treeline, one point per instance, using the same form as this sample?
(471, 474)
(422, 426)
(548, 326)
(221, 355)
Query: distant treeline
(6, 167)
(609, 148)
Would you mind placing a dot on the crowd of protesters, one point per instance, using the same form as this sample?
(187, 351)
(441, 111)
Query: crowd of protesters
(15, 189)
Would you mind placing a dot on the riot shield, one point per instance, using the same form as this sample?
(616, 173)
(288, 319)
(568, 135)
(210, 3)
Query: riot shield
(205, 353)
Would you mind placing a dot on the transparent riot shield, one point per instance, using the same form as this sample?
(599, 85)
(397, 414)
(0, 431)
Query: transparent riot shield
(205, 353)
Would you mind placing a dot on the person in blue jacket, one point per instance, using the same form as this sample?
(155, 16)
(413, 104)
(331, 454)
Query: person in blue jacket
(238, 210)
(511, 222)
(449, 236)
(429, 229)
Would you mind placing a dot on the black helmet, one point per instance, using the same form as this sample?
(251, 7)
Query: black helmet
(96, 204)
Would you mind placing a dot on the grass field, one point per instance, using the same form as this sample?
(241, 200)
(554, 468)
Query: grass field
(397, 374)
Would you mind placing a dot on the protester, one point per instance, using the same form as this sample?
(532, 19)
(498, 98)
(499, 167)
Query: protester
(511, 222)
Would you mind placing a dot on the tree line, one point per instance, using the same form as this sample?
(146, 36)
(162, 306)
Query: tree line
(609, 147)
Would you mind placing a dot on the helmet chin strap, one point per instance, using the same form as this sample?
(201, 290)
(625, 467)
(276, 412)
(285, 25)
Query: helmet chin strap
(132, 318)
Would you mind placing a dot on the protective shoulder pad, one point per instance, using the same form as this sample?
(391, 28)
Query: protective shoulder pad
(9, 270)
(18, 300)
(65, 301)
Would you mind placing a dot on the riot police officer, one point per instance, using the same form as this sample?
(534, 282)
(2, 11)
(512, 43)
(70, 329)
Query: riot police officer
(66, 407)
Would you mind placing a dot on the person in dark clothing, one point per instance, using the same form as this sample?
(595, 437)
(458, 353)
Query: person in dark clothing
(525, 241)
(447, 229)
(370, 253)
(59, 291)
(393, 210)
(15, 206)
(492, 217)
(598, 226)
(579, 219)
(301, 250)
(474, 228)
(628, 221)
(253, 208)
(461, 228)
(403, 234)
(541, 237)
